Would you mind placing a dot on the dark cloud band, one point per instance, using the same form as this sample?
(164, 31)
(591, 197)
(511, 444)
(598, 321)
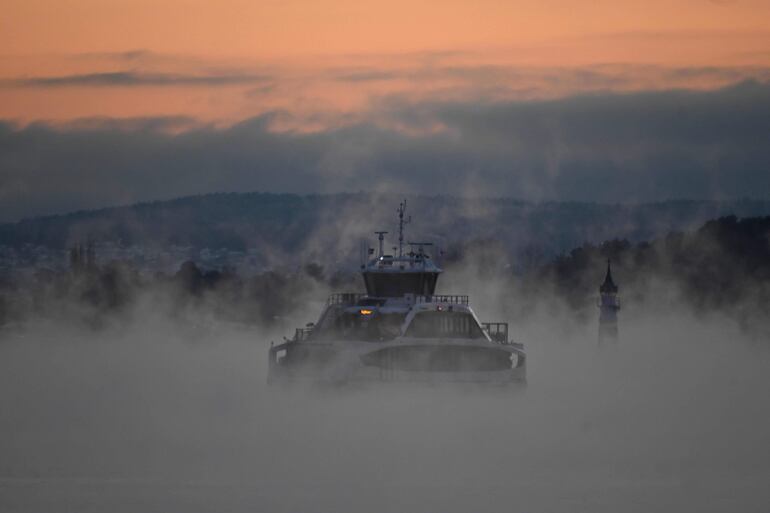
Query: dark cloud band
(130, 79)
(600, 147)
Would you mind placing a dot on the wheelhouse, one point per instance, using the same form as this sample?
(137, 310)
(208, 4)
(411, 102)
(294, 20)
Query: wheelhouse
(384, 283)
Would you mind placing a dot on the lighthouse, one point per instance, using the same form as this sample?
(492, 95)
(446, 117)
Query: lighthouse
(609, 304)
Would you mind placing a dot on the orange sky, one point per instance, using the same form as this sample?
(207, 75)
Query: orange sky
(293, 27)
(290, 54)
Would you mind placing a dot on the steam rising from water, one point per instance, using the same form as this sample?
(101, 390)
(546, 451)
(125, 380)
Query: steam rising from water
(154, 415)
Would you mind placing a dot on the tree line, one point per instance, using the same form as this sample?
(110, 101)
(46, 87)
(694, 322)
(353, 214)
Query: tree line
(723, 265)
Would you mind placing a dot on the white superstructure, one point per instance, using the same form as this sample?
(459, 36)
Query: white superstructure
(400, 330)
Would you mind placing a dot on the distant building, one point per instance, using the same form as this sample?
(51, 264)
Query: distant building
(609, 304)
(83, 258)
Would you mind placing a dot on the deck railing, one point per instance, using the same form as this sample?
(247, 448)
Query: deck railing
(302, 334)
(497, 331)
(344, 298)
(456, 299)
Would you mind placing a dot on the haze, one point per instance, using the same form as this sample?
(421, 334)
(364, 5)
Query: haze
(135, 393)
(152, 414)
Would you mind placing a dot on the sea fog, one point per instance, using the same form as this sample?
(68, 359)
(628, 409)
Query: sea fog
(157, 414)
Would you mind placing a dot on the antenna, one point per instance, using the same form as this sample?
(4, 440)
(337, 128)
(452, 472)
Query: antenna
(401, 223)
(381, 238)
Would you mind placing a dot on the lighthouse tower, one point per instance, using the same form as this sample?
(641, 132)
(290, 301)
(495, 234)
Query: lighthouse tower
(609, 304)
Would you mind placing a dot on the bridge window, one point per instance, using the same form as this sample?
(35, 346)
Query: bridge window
(397, 284)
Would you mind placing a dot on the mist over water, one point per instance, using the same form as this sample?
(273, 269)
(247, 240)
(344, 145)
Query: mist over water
(153, 414)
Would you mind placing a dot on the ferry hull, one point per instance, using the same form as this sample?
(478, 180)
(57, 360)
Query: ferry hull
(402, 361)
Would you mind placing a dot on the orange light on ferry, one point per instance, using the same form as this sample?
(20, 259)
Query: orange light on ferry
(366, 312)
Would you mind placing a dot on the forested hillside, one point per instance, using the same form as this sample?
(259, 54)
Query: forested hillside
(329, 228)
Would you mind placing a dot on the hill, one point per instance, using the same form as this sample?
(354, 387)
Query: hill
(287, 228)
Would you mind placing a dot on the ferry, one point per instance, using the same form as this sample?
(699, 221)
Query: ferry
(399, 330)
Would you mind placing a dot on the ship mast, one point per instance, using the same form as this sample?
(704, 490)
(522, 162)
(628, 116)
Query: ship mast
(401, 223)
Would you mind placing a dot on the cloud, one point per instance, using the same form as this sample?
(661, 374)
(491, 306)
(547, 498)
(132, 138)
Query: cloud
(168, 124)
(224, 91)
(131, 79)
(128, 55)
(368, 75)
(605, 147)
